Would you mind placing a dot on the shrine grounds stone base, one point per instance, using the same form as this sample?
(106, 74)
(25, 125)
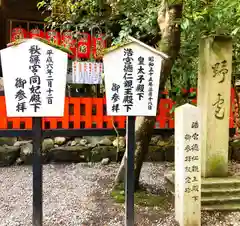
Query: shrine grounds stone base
(80, 149)
(90, 149)
(222, 194)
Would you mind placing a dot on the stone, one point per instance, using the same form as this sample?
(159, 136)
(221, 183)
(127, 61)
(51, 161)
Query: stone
(105, 141)
(81, 141)
(162, 143)
(214, 93)
(47, 144)
(105, 161)
(1, 84)
(111, 138)
(60, 140)
(19, 161)
(121, 142)
(73, 143)
(8, 155)
(26, 153)
(93, 140)
(20, 143)
(73, 154)
(100, 152)
(10, 141)
(91, 145)
(187, 165)
(217, 194)
(27, 149)
(155, 139)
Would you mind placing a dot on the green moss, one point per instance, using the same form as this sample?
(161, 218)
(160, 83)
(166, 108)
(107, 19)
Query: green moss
(155, 149)
(141, 198)
(112, 48)
(66, 50)
(217, 166)
(44, 41)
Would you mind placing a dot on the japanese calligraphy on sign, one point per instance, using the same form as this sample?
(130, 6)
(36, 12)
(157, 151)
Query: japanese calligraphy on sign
(192, 160)
(220, 72)
(187, 164)
(34, 75)
(135, 68)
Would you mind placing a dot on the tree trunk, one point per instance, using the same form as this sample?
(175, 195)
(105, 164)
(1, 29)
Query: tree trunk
(168, 19)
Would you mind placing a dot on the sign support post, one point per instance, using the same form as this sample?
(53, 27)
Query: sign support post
(37, 171)
(129, 172)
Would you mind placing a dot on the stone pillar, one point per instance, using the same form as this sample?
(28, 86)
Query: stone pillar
(187, 166)
(214, 90)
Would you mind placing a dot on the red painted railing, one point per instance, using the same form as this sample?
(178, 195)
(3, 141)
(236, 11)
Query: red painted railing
(90, 113)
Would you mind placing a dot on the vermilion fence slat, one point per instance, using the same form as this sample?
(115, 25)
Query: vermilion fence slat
(91, 113)
(65, 120)
(3, 113)
(74, 112)
(98, 112)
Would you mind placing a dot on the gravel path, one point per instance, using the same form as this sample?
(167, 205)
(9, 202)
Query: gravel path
(78, 195)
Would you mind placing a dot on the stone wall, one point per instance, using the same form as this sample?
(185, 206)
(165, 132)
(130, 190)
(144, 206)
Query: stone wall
(89, 149)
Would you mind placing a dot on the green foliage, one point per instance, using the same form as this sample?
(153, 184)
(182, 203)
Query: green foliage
(120, 18)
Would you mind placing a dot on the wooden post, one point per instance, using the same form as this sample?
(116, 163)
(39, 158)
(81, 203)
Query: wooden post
(129, 172)
(37, 172)
(187, 166)
(214, 87)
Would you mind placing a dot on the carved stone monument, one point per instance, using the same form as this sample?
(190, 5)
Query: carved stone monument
(214, 91)
(187, 166)
(219, 190)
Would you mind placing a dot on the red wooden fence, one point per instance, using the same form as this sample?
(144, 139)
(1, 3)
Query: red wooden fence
(90, 113)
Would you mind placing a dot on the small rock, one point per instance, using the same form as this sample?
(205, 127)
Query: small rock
(93, 140)
(73, 143)
(72, 154)
(69, 143)
(10, 141)
(1, 84)
(27, 149)
(105, 161)
(155, 140)
(26, 153)
(121, 142)
(19, 161)
(20, 143)
(91, 145)
(161, 143)
(8, 155)
(81, 141)
(100, 152)
(59, 140)
(111, 138)
(105, 142)
(47, 144)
